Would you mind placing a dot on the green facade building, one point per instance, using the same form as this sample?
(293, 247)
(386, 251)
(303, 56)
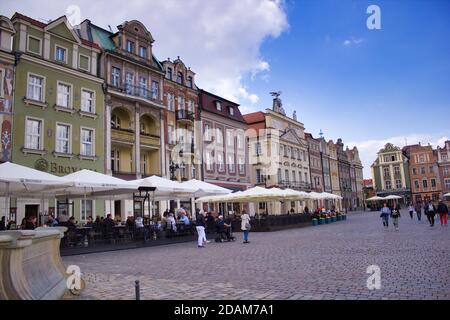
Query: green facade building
(58, 122)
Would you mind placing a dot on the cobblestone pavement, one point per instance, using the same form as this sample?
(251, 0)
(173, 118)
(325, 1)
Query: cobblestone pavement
(323, 262)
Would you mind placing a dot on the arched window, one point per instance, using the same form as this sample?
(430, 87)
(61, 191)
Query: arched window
(190, 82)
(180, 77)
(169, 73)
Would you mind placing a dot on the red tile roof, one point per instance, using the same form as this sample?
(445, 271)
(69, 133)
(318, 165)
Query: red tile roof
(28, 19)
(254, 117)
(43, 25)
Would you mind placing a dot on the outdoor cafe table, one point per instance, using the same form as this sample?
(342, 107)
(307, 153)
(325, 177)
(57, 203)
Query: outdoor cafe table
(84, 232)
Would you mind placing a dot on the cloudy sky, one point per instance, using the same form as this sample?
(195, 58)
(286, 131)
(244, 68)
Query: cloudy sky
(365, 86)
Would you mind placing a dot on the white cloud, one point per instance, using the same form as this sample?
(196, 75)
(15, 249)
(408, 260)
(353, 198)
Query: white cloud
(220, 40)
(368, 149)
(352, 41)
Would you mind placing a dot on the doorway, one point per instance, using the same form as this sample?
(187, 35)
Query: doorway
(31, 210)
(117, 208)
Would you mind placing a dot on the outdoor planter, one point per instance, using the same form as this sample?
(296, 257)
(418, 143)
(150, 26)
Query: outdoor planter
(339, 218)
(333, 219)
(327, 220)
(344, 217)
(322, 221)
(314, 222)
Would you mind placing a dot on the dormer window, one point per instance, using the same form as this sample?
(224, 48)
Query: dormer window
(142, 52)
(130, 46)
(180, 77)
(218, 106)
(60, 54)
(190, 82)
(231, 111)
(169, 73)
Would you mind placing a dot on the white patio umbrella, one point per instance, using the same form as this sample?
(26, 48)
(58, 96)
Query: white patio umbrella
(18, 180)
(165, 188)
(204, 188)
(447, 195)
(375, 198)
(392, 197)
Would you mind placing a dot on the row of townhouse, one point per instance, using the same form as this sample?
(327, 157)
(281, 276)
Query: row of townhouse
(417, 173)
(83, 97)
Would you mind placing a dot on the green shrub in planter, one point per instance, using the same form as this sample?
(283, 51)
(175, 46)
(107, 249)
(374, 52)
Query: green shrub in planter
(314, 222)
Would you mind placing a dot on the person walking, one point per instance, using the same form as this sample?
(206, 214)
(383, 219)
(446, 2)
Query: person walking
(395, 214)
(200, 227)
(430, 211)
(418, 209)
(442, 209)
(411, 210)
(385, 213)
(245, 225)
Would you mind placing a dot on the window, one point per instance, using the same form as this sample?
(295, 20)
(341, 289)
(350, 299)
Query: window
(286, 175)
(396, 170)
(87, 101)
(416, 184)
(190, 82)
(240, 141)
(170, 134)
(169, 73)
(386, 172)
(33, 134)
(180, 103)
(219, 136)
(34, 45)
(218, 106)
(115, 160)
(207, 133)
(231, 111)
(191, 105)
(422, 170)
(259, 176)
(294, 178)
(306, 177)
(231, 164)
(115, 122)
(433, 183)
(143, 87)
(84, 62)
(398, 184)
(35, 90)
(143, 52)
(144, 164)
(64, 95)
(86, 209)
(230, 139)
(241, 163)
(87, 142)
(63, 138)
(170, 104)
(279, 177)
(425, 183)
(447, 184)
(115, 76)
(421, 158)
(388, 184)
(155, 89)
(431, 169)
(220, 161)
(446, 170)
(208, 160)
(414, 171)
(130, 46)
(180, 77)
(129, 80)
(444, 157)
(60, 54)
(258, 149)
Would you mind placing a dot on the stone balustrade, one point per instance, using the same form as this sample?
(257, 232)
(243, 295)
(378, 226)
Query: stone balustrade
(31, 265)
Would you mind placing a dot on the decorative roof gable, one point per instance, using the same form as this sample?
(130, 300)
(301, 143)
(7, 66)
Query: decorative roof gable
(62, 28)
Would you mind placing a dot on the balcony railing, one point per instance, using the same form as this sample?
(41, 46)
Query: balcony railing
(297, 185)
(185, 115)
(137, 91)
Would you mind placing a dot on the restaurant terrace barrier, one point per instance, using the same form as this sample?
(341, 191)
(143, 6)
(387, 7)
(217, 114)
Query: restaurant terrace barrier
(264, 223)
(31, 265)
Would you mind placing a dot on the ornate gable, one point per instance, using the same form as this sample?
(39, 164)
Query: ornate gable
(62, 28)
(389, 147)
(290, 136)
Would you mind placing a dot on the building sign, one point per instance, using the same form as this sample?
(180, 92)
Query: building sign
(55, 168)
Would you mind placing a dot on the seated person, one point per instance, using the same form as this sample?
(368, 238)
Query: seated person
(184, 219)
(51, 222)
(89, 222)
(171, 223)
